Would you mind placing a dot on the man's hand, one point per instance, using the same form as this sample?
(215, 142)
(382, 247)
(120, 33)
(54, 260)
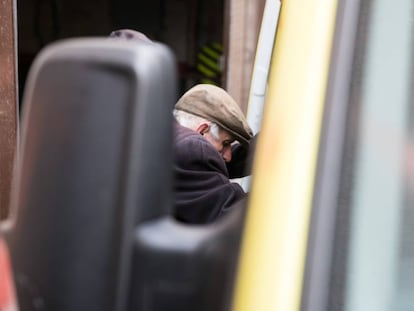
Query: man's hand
(242, 159)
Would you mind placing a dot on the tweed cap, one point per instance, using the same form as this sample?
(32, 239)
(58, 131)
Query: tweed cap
(216, 105)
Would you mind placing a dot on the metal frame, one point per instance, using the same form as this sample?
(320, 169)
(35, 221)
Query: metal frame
(327, 185)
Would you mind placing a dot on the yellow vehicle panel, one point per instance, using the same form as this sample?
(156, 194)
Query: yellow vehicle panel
(275, 236)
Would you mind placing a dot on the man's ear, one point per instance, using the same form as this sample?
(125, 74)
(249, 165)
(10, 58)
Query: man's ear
(202, 128)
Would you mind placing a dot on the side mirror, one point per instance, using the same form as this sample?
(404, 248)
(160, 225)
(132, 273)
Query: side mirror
(96, 142)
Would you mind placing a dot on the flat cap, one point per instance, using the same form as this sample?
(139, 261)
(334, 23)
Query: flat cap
(216, 105)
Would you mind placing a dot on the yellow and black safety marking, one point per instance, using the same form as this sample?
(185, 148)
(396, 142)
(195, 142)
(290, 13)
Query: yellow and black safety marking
(209, 63)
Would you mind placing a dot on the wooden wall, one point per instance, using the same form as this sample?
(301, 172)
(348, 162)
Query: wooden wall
(242, 22)
(8, 101)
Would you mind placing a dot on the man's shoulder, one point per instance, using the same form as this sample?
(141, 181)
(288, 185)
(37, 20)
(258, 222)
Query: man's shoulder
(191, 146)
(186, 136)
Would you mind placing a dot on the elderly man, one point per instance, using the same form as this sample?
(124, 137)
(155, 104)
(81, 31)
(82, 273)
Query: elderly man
(209, 122)
(211, 139)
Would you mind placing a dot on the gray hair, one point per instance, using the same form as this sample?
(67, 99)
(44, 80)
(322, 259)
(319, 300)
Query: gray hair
(192, 121)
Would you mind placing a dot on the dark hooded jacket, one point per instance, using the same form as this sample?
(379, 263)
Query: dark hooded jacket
(203, 191)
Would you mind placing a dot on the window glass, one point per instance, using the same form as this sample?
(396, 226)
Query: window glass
(379, 269)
